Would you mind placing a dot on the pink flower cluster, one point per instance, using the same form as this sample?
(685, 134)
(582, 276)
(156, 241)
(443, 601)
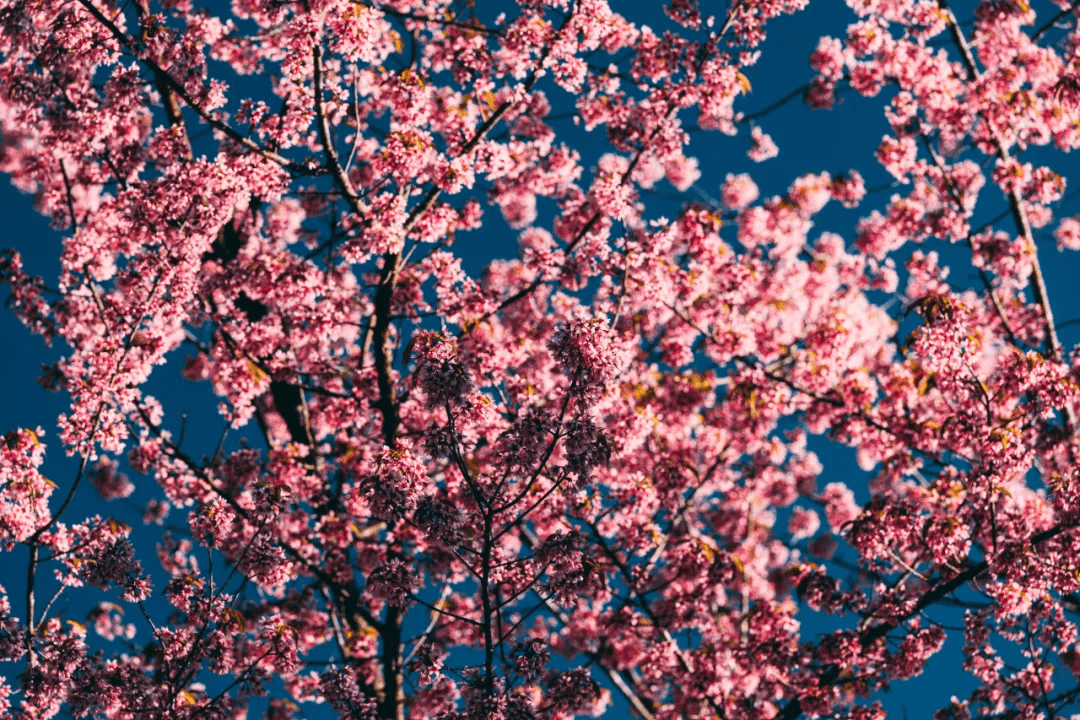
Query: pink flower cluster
(578, 480)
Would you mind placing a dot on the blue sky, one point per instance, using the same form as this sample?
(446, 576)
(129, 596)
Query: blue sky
(810, 141)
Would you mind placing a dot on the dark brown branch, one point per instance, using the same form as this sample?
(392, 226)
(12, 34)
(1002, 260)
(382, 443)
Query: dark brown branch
(1016, 205)
(341, 178)
(177, 88)
(413, 17)
(70, 200)
(957, 197)
(938, 592)
(644, 708)
(1054, 20)
(173, 115)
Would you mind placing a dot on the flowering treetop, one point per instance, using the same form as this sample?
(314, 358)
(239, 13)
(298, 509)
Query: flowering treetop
(598, 449)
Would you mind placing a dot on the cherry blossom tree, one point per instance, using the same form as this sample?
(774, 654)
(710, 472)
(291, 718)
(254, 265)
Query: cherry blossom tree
(581, 481)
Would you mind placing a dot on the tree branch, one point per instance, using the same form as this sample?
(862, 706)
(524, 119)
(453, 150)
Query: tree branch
(1016, 205)
(177, 88)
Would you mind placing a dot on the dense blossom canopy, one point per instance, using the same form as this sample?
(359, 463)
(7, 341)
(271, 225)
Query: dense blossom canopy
(585, 480)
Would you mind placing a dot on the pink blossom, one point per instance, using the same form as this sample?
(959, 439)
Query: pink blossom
(1067, 234)
(587, 352)
(518, 208)
(840, 506)
(110, 483)
(738, 191)
(453, 482)
(762, 146)
(682, 172)
(828, 59)
(897, 156)
(803, 524)
(393, 583)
